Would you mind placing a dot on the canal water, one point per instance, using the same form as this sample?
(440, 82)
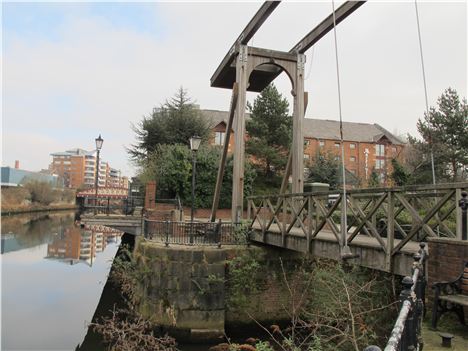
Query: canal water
(54, 282)
(53, 275)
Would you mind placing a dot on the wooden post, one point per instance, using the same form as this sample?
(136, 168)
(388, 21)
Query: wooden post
(297, 149)
(390, 230)
(287, 171)
(239, 136)
(309, 221)
(222, 161)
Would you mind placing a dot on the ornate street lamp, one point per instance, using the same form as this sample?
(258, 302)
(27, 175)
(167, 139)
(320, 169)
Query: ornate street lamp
(194, 145)
(99, 142)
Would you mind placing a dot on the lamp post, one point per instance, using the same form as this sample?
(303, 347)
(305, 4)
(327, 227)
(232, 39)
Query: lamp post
(194, 145)
(99, 142)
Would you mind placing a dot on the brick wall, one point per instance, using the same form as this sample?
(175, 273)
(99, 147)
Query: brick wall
(150, 195)
(446, 257)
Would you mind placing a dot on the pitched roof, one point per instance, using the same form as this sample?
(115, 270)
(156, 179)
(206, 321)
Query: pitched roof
(352, 131)
(215, 117)
(324, 128)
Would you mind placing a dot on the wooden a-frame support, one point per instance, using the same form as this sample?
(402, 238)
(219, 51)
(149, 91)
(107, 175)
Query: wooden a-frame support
(250, 68)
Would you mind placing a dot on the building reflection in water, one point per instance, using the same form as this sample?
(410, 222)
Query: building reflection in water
(81, 245)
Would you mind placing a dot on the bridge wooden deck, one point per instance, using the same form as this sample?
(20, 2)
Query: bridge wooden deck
(310, 223)
(324, 245)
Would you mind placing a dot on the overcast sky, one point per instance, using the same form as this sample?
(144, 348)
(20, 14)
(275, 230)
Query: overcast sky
(74, 70)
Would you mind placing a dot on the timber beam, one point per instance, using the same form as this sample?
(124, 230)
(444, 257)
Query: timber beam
(225, 71)
(225, 74)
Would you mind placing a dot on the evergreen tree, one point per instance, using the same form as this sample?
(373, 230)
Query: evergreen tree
(174, 122)
(445, 133)
(269, 130)
(171, 167)
(374, 180)
(399, 175)
(324, 168)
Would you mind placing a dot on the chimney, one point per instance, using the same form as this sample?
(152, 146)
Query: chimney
(16, 164)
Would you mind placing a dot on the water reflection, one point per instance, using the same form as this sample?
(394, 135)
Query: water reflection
(47, 304)
(29, 230)
(75, 244)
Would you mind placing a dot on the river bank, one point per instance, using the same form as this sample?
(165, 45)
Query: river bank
(37, 208)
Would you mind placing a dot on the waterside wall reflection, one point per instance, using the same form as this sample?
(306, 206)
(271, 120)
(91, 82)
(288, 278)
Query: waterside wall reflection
(53, 273)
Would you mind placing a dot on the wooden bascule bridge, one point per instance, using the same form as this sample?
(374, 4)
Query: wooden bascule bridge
(382, 227)
(379, 228)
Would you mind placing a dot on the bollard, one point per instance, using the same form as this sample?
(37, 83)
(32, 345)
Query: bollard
(463, 203)
(372, 348)
(446, 339)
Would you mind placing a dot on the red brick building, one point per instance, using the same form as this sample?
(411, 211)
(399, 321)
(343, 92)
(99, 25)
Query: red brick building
(368, 146)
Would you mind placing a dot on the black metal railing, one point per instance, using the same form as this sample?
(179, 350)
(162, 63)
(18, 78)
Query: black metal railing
(195, 233)
(406, 333)
(109, 205)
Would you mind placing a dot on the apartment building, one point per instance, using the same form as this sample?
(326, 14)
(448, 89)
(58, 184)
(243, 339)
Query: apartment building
(368, 147)
(77, 167)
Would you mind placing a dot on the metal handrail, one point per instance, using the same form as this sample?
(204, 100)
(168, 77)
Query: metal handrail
(406, 332)
(193, 233)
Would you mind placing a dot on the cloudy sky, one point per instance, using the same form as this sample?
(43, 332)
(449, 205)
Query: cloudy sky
(74, 70)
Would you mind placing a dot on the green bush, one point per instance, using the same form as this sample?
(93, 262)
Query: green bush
(171, 167)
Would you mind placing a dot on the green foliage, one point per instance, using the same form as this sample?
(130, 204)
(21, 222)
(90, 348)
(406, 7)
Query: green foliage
(374, 180)
(349, 306)
(243, 280)
(240, 233)
(444, 131)
(263, 346)
(324, 168)
(41, 192)
(174, 122)
(269, 130)
(171, 167)
(399, 175)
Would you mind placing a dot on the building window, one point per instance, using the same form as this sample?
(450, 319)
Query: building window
(306, 157)
(379, 150)
(337, 144)
(352, 159)
(352, 146)
(219, 138)
(306, 142)
(379, 164)
(321, 143)
(337, 158)
(394, 149)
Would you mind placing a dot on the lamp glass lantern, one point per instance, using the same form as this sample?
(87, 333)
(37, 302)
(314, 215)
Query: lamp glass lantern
(99, 142)
(195, 142)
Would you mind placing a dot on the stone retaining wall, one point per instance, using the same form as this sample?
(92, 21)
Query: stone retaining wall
(186, 288)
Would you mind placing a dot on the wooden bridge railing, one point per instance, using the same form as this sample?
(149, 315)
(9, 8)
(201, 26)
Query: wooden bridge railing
(392, 216)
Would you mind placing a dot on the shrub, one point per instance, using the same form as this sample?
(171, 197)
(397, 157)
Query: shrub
(41, 192)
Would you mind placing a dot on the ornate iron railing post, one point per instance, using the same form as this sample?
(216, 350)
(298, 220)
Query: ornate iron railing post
(167, 234)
